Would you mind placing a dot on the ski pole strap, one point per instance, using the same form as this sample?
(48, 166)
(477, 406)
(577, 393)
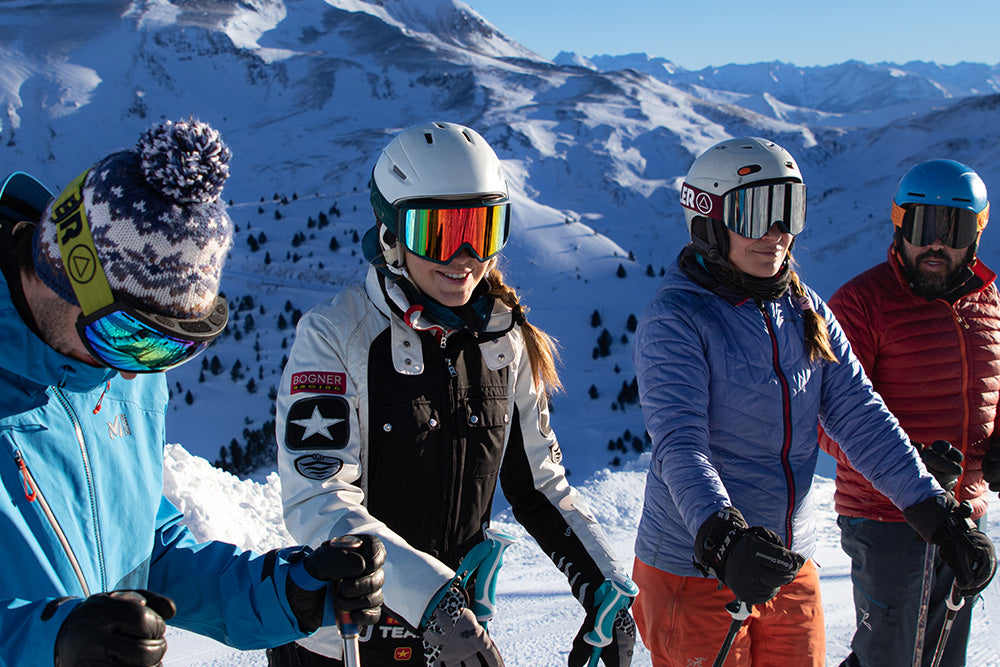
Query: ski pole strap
(612, 596)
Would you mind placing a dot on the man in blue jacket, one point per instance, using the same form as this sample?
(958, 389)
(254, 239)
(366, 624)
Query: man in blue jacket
(116, 281)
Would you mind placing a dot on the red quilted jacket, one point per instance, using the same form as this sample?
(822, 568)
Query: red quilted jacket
(936, 365)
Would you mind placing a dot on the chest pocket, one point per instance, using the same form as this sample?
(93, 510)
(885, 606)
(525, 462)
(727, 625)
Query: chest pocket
(402, 431)
(484, 431)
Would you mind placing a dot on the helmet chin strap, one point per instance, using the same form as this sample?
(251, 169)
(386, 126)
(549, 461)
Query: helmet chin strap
(710, 245)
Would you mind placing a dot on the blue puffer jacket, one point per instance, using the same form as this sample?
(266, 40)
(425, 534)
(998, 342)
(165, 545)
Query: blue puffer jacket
(83, 510)
(732, 403)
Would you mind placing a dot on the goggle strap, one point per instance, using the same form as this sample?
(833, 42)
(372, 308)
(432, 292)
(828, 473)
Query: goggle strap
(76, 245)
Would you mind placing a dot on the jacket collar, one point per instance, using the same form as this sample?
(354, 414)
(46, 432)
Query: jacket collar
(405, 327)
(982, 277)
(24, 354)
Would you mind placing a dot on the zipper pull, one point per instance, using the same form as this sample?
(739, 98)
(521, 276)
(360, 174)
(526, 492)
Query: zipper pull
(451, 368)
(97, 408)
(29, 490)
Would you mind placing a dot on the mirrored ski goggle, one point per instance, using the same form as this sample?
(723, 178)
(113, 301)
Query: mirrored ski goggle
(438, 233)
(129, 339)
(921, 224)
(751, 211)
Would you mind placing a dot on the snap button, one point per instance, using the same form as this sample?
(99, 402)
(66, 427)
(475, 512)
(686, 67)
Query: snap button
(432, 422)
(408, 362)
(473, 419)
(406, 343)
(501, 357)
(387, 427)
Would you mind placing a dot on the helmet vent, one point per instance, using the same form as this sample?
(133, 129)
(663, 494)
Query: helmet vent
(916, 194)
(399, 172)
(962, 199)
(428, 137)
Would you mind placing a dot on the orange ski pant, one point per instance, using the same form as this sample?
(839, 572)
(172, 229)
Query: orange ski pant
(683, 622)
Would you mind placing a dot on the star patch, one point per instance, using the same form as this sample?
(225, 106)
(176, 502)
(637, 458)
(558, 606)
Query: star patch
(321, 422)
(318, 466)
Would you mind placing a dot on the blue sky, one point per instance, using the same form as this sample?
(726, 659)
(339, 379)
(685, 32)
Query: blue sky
(803, 32)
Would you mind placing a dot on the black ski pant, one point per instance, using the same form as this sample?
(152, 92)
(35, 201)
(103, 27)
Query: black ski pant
(887, 562)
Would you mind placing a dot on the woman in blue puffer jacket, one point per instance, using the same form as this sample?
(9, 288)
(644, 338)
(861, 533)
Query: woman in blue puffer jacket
(737, 361)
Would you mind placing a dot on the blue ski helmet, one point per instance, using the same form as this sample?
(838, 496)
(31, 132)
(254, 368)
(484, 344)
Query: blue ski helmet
(942, 183)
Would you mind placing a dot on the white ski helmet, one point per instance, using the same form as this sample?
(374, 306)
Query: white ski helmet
(736, 163)
(437, 160)
(727, 166)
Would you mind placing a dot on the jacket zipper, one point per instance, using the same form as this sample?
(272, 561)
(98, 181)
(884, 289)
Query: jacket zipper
(966, 363)
(786, 410)
(34, 495)
(78, 431)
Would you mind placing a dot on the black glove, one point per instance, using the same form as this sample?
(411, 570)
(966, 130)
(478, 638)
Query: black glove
(117, 628)
(943, 461)
(453, 636)
(940, 520)
(752, 562)
(353, 566)
(991, 467)
(616, 654)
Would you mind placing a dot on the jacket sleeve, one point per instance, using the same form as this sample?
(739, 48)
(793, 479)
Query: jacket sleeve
(673, 377)
(855, 416)
(28, 630)
(859, 325)
(235, 597)
(542, 500)
(321, 476)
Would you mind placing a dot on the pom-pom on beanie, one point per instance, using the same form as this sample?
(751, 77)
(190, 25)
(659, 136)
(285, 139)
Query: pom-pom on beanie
(159, 226)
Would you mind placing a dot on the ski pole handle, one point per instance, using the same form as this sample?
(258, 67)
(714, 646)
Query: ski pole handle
(484, 603)
(611, 597)
(349, 633)
(739, 610)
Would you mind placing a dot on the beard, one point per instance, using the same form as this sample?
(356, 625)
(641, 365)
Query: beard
(935, 283)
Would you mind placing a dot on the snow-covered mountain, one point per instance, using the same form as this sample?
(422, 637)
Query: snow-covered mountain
(307, 91)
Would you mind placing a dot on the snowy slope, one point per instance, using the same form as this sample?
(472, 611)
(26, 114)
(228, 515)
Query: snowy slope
(307, 91)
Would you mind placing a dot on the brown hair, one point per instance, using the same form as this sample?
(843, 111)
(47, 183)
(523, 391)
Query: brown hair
(817, 336)
(542, 351)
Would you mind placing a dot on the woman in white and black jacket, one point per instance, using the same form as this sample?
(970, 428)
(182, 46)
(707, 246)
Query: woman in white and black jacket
(405, 399)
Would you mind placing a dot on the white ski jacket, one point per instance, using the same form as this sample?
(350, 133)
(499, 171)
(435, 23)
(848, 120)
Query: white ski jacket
(384, 430)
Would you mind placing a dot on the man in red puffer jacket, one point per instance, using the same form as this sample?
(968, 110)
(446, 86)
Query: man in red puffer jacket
(925, 325)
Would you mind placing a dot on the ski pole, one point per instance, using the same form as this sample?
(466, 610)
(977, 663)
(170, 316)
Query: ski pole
(925, 601)
(349, 633)
(612, 596)
(955, 602)
(740, 611)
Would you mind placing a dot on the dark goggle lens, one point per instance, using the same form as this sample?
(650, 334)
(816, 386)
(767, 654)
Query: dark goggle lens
(955, 227)
(751, 211)
(438, 233)
(130, 341)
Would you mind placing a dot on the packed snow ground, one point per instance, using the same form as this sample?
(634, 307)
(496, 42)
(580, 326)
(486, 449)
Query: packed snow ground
(536, 618)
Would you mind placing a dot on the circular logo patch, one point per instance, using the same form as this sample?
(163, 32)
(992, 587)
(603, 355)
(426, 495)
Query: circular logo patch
(82, 264)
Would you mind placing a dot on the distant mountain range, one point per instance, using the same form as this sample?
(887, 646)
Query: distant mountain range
(307, 91)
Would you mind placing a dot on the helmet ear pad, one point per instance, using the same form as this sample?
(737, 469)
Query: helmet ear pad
(710, 238)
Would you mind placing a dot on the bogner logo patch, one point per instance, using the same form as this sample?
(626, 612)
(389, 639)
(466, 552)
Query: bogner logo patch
(318, 382)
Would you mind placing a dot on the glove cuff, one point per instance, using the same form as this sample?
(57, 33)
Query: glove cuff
(939, 517)
(716, 537)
